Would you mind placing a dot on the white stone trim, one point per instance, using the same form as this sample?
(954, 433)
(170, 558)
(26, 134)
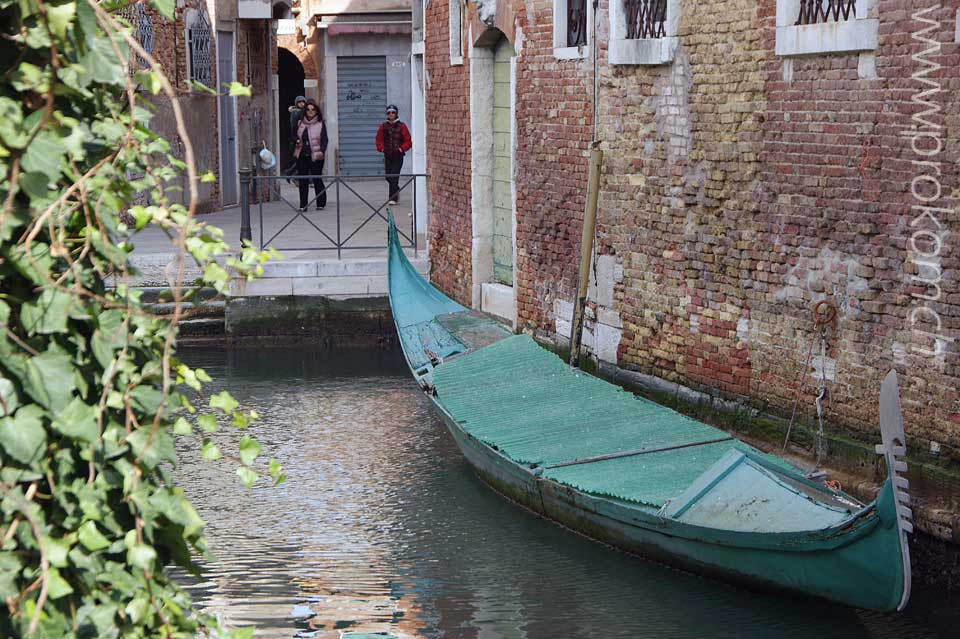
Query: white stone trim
(560, 49)
(455, 9)
(500, 300)
(859, 34)
(956, 37)
(648, 51)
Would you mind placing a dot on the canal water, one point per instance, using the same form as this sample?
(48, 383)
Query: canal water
(382, 527)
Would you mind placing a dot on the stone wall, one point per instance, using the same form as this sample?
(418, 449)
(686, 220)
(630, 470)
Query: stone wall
(739, 188)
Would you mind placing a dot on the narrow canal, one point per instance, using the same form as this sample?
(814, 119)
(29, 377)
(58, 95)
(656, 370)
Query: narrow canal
(381, 526)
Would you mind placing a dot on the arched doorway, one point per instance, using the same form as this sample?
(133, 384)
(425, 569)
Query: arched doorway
(290, 76)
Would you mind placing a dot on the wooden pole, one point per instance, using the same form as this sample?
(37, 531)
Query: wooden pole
(586, 252)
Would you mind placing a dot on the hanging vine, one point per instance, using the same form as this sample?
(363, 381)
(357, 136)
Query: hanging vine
(92, 395)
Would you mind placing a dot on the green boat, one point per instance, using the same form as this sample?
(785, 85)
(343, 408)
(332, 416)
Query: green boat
(634, 474)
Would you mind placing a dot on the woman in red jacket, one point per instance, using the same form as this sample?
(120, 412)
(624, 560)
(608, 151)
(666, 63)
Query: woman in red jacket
(393, 140)
(311, 146)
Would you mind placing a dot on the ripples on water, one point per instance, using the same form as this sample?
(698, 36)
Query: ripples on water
(381, 526)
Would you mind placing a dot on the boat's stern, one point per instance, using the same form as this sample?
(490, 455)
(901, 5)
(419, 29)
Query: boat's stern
(894, 500)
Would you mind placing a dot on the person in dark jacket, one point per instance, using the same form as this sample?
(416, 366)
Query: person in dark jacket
(296, 112)
(310, 149)
(393, 140)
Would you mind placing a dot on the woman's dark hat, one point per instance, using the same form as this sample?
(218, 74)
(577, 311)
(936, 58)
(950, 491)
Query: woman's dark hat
(392, 107)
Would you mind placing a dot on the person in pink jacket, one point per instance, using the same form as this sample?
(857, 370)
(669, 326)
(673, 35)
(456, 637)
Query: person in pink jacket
(310, 150)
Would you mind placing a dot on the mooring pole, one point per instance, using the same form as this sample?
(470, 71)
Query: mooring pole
(586, 252)
(246, 235)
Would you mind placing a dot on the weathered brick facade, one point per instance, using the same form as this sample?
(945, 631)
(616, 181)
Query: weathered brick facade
(732, 200)
(448, 141)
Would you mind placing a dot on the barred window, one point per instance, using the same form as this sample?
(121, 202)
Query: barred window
(820, 11)
(200, 50)
(645, 18)
(141, 23)
(576, 23)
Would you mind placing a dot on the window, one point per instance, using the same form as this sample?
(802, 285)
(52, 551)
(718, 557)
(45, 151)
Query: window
(806, 27)
(572, 21)
(456, 31)
(643, 31)
(142, 30)
(199, 49)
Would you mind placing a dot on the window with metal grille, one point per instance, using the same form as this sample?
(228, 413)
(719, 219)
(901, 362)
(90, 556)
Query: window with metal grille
(820, 11)
(200, 48)
(576, 23)
(645, 18)
(141, 23)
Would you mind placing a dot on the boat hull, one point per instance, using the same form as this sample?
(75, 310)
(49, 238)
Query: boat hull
(841, 567)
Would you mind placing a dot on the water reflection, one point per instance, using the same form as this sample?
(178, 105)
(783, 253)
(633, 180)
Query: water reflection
(381, 526)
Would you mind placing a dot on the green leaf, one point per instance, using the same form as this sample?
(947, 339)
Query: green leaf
(151, 450)
(23, 436)
(224, 401)
(209, 451)
(77, 420)
(60, 17)
(182, 427)
(137, 609)
(141, 556)
(57, 586)
(8, 397)
(247, 476)
(9, 570)
(91, 537)
(48, 313)
(276, 472)
(50, 379)
(165, 7)
(45, 154)
(208, 423)
(208, 178)
(237, 89)
(57, 550)
(249, 450)
(242, 633)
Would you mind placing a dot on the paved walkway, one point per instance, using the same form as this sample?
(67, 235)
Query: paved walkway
(306, 241)
(313, 234)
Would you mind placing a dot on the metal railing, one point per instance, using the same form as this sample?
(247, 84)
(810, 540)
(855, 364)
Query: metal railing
(334, 186)
(646, 19)
(820, 11)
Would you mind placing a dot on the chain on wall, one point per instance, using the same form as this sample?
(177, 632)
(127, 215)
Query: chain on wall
(820, 11)
(646, 18)
(142, 24)
(200, 46)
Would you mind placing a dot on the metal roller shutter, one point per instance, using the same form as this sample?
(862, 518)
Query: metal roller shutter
(361, 100)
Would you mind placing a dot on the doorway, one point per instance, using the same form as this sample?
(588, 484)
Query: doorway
(290, 75)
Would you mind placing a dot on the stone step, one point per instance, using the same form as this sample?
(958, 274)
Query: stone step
(193, 311)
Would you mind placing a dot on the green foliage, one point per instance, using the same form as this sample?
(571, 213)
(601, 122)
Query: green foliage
(92, 395)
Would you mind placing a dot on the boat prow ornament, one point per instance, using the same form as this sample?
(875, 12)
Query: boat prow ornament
(894, 448)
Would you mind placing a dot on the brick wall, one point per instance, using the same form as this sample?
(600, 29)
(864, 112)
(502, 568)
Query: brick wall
(448, 148)
(732, 200)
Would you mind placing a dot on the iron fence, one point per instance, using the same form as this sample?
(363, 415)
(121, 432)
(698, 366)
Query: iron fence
(334, 186)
